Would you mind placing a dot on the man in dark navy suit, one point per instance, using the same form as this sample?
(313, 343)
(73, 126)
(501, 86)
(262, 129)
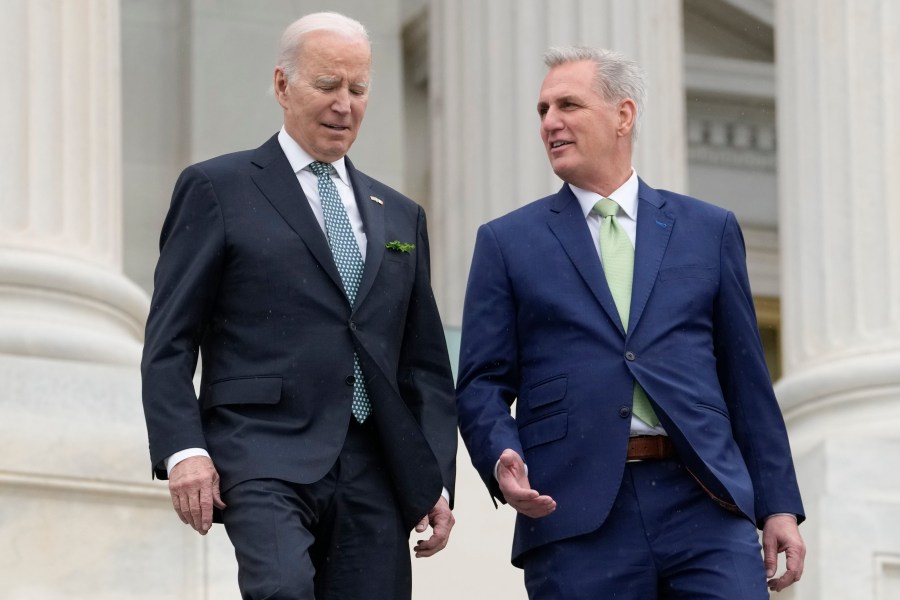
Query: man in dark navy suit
(325, 428)
(647, 444)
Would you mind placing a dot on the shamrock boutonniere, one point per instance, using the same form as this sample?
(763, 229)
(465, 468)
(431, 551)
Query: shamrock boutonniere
(398, 246)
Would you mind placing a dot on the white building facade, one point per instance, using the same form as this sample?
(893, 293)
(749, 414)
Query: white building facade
(107, 100)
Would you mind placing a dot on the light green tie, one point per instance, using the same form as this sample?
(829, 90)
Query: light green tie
(617, 255)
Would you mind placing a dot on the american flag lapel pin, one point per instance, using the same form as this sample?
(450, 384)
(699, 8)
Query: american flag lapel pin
(376, 199)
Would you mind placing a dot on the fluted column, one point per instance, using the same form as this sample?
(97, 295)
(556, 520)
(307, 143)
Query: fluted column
(839, 127)
(839, 135)
(62, 292)
(485, 76)
(79, 514)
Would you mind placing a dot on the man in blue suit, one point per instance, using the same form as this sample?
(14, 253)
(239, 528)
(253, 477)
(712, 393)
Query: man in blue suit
(325, 428)
(647, 444)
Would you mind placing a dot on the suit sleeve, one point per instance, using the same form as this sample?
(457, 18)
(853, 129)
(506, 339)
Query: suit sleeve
(488, 369)
(425, 378)
(185, 286)
(757, 423)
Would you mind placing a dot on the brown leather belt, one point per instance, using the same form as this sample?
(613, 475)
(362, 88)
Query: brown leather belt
(649, 447)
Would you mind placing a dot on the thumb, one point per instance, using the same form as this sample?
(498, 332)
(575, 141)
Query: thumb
(423, 524)
(770, 555)
(510, 460)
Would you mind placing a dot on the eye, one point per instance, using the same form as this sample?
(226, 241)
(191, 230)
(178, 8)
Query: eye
(358, 91)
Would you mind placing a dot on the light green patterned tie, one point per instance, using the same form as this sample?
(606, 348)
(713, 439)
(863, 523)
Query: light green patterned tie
(617, 255)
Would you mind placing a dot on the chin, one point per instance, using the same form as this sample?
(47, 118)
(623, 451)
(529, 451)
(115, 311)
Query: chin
(334, 152)
(561, 171)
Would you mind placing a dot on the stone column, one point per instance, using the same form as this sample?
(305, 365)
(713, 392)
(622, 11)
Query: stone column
(839, 132)
(63, 294)
(79, 515)
(485, 76)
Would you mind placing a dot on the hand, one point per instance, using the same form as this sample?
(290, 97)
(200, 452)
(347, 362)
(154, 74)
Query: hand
(516, 489)
(441, 520)
(194, 487)
(781, 534)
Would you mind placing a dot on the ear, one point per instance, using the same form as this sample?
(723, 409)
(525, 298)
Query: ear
(627, 115)
(280, 84)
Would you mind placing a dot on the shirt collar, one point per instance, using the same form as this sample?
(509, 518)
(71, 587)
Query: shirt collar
(626, 196)
(300, 159)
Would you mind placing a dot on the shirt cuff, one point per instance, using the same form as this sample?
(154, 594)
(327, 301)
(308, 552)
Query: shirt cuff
(180, 456)
(792, 515)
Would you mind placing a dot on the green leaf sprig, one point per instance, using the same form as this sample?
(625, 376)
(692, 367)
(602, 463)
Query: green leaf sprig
(398, 246)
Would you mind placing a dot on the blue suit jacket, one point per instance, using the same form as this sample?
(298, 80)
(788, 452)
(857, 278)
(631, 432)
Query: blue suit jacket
(246, 277)
(540, 328)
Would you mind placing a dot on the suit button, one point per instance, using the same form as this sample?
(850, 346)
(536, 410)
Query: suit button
(352, 326)
(624, 412)
(630, 355)
(350, 380)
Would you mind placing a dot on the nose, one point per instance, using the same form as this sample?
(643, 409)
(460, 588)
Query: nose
(341, 102)
(551, 121)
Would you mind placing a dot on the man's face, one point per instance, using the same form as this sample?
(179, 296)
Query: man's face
(582, 133)
(325, 103)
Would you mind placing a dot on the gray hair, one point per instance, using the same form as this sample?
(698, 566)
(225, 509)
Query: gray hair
(616, 77)
(293, 36)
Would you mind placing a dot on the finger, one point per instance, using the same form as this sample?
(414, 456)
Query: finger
(194, 511)
(793, 572)
(794, 558)
(783, 582)
(176, 504)
(514, 493)
(537, 507)
(431, 546)
(206, 504)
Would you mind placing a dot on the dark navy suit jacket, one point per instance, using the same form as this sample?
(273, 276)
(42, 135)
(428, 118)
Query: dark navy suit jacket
(246, 277)
(540, 328)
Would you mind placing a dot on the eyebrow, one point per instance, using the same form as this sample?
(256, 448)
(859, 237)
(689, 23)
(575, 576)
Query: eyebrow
(332, 80)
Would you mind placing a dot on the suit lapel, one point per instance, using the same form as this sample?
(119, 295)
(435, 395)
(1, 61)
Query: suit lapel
(569, 227)
(373, 221)
(654, 226)
(277, 181)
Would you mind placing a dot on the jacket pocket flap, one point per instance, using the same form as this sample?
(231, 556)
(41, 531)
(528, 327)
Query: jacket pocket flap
(545, 430)
(243, 390)
(686, 272)
(547, 392)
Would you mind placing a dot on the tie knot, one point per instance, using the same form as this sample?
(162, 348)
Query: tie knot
(606, 207)
(320, 168)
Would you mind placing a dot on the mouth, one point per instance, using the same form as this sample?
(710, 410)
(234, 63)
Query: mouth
(558, 144)
(335, 127)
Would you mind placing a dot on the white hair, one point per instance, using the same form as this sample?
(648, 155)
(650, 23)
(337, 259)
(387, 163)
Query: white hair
(293, 36)
(615, 78)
